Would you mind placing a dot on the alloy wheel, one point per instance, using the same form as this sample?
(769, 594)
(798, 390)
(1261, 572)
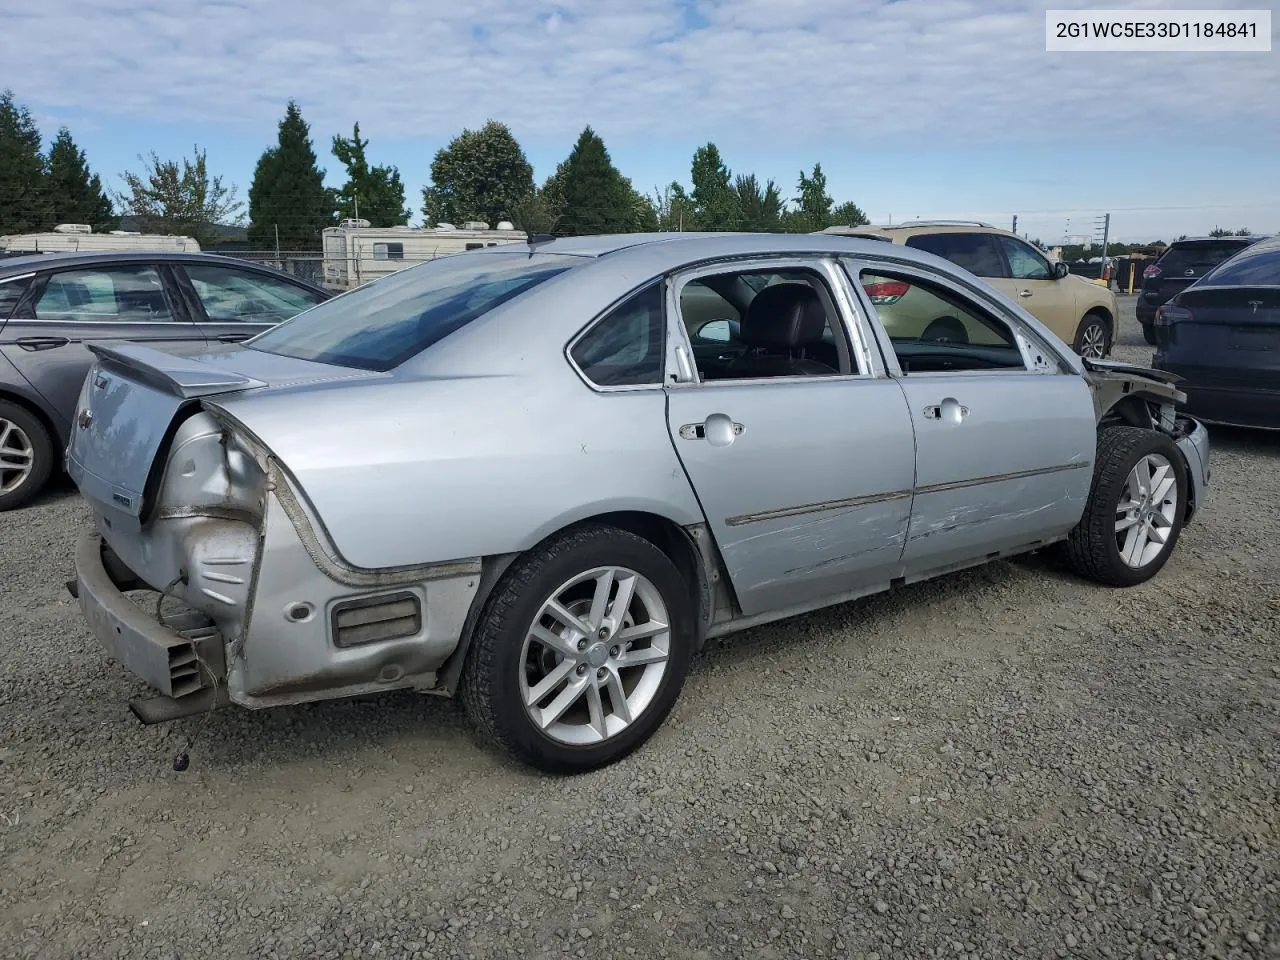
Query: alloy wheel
(17, 456)
(1146, 511)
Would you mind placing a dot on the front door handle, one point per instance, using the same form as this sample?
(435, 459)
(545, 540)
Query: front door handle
(1024, 293)
(718, 429)
(949, 410)
(41, 343)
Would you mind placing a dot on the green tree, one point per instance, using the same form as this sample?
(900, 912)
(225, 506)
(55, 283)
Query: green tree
(673, 210)
(591, 196)
(714, 201)
(288, 192)
(813, 205)
(760, 208)
(179, 197)
(74, 193)
(481, 175)
(848, 214)
(22, 170)
(370, 193)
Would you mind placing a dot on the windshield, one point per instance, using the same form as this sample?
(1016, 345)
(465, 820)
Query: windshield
(381, 325)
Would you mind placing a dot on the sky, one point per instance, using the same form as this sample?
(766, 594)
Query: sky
(915, 108)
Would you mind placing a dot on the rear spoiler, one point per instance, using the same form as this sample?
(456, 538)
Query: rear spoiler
(181, 376)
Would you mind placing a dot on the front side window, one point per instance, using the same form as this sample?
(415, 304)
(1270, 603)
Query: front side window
(124, 294)
(625, 347)
(936, 331)
(975, 252)
(231, 296)
(383, 324)
(1025, 262)
(754, 323)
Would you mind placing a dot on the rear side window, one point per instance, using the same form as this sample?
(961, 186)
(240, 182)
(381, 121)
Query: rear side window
(625, 347)
(11, 292)
(119, 294)
(1261, 269)
(975, 252)
(383, 324)
(1197, 256)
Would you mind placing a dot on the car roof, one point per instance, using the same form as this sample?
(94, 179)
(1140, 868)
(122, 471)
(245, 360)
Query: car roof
(892, 231)
(1192, 241)
(25, 263)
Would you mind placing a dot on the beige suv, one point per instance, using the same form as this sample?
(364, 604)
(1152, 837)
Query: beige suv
(1081, 312)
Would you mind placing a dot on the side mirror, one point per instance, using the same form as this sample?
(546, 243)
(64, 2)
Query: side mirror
(1060, 270)
(718, 331)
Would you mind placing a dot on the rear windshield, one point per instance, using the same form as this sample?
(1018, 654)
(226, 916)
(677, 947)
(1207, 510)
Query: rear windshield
(1261, 269)
(1197, 256)
(383, 324)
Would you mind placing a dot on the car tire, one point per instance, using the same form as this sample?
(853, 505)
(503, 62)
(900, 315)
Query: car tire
(1149, 333)
(526, 661)
(1093, 334)
(26, 455)
(1117, 541)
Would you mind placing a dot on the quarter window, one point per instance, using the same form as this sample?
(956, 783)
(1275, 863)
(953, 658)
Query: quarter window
(975, 252)
(1025, 263)
(133, 294)
(11, 292)
(231, 296)
(936, 331)
(625, 347)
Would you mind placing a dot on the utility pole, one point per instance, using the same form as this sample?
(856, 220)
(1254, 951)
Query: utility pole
(278, 263)
(1015, 224)
(1105, 221)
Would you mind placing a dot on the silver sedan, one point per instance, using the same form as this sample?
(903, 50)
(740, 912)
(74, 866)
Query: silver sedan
(543, 476)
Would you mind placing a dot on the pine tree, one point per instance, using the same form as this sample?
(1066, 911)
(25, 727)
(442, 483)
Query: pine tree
(288, 192)
(714, 200)
(593, 196)
(74, 193)
(375, 194)
(23, 207)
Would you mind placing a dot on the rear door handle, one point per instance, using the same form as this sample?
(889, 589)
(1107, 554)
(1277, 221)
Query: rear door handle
(718, 430)
(41, 343)
(949, 409)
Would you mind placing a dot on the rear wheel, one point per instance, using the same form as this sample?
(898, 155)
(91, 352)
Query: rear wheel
(1135, 509)
(1093, 337)
(26, 455)
(582, 650)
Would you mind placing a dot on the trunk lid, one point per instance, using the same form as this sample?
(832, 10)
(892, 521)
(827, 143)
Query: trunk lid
(1229, 327)
(133, 400)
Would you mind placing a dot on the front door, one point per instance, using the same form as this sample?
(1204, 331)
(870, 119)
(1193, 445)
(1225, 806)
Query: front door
(800, 450)
(64, 310)
(1049, 300)
(1004, 452)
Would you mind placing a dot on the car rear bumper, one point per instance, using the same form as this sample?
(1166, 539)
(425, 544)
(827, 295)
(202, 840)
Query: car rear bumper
(1217, 400)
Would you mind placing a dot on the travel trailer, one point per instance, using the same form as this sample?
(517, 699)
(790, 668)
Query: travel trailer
(80, 238)
(356, 253)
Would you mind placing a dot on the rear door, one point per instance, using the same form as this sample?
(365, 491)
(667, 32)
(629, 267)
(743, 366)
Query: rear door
(234, 303)
(800, 447)
(63, 311)
(976, 252)
(1005, 435)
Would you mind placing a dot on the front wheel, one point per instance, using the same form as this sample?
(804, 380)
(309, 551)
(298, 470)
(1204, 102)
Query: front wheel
(1135, 509)
(582, 650)
(1093, 337)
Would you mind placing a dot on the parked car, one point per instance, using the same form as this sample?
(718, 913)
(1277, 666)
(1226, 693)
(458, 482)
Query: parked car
(1222, 336)
(544, 475)
(54, 306)
(1080, 312)
(1181, 265)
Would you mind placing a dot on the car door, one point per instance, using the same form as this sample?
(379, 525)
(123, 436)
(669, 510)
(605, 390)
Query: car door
(1049, 299)
(233, 303)
(800, 449)
(64, 310)
(1005, 432)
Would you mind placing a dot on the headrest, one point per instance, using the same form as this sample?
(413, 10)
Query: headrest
(784, 315)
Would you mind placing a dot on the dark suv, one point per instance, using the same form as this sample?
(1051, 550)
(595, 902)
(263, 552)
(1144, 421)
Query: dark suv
(53, 305)
(1185, 262)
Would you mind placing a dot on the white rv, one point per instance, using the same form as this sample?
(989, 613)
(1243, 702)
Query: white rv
(356, 253)
(80, 238)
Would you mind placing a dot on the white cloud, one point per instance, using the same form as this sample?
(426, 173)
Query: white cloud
(927, 72)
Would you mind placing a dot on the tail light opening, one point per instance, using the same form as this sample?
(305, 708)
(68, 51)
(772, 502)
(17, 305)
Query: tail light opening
(1169, 314)
(1151, 272)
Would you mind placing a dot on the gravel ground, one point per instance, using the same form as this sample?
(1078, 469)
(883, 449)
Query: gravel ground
(1007, 762)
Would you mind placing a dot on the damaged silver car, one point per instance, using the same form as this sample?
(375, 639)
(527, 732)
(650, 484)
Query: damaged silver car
(541, 477)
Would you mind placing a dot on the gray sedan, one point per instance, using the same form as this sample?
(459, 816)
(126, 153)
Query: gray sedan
(543, 476)
(53, 306)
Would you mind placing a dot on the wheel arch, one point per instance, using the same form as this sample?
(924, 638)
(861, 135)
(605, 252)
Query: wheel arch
(690, 547)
